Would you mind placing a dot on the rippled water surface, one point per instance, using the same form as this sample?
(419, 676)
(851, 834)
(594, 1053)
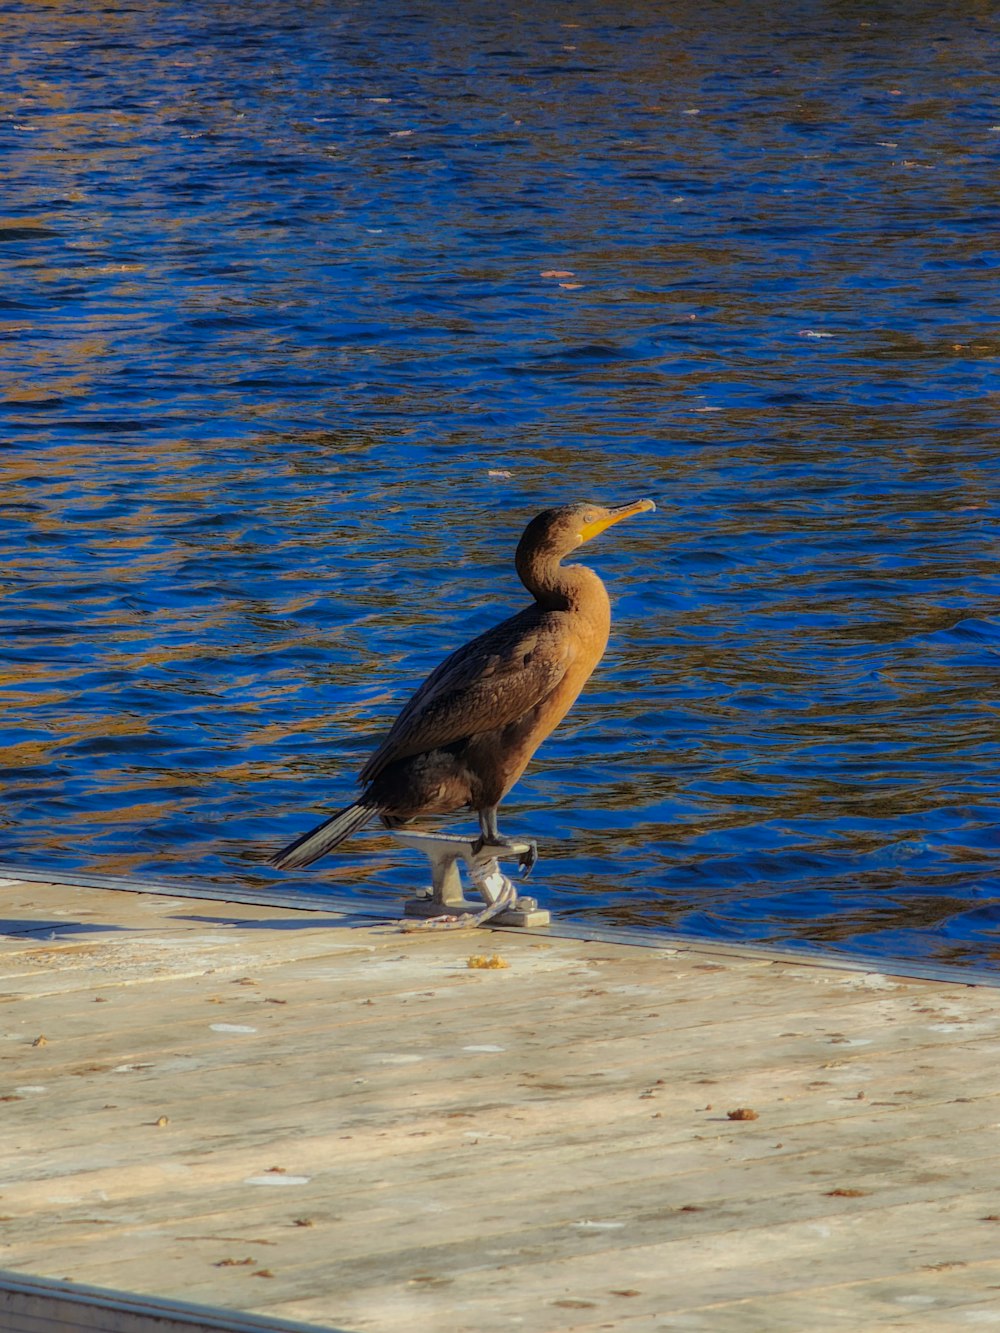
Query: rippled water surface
(308, 307)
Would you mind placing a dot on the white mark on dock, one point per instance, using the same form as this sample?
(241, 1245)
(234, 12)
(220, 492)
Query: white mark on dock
(276, 1178)
(231, 1027)
(873, 981)
(485, 1050)
(589, 1225)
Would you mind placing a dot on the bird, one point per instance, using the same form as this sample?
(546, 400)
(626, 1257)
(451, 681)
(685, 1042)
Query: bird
(469, 731)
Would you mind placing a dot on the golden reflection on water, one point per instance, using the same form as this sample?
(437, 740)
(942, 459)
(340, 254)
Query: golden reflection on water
(285, 378)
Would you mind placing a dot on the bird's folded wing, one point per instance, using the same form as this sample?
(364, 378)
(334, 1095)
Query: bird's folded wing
(472, 692)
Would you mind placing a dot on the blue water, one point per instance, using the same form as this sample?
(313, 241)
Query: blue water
(308, 307)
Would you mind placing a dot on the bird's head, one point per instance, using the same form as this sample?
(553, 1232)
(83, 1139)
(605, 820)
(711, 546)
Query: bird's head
(562, 530)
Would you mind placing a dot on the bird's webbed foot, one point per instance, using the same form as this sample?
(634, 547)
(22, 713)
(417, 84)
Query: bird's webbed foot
(493, 845)
(499, 847)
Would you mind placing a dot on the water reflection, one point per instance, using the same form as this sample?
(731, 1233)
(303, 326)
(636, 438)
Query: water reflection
(309, 308)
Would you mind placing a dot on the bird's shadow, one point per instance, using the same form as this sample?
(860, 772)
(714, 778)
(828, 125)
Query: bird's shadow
(46, 932)
(314, 921)
(16, 928)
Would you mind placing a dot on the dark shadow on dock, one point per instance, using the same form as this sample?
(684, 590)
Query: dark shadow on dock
(51, 930)
(313, 922)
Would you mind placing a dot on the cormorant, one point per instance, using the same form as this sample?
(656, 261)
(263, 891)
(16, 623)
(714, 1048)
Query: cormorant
(467, 734)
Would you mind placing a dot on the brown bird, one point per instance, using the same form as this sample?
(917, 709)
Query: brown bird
(468, 733)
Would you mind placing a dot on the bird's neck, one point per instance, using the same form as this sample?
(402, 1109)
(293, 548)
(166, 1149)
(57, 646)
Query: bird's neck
(558, 587)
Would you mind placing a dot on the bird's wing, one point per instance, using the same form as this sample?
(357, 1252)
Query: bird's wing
(490, 682)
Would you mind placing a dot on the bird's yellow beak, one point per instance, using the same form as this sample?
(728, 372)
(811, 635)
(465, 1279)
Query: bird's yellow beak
(615, 515)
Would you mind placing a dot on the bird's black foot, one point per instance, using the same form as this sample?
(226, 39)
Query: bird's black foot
(526, 852)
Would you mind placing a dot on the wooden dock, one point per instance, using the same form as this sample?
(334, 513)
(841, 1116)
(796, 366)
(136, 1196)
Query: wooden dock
(306, 1116)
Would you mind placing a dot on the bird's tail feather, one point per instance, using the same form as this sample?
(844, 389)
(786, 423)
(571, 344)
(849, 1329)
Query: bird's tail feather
(319, 840)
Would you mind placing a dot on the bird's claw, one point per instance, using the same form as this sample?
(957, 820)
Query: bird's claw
(526, 861)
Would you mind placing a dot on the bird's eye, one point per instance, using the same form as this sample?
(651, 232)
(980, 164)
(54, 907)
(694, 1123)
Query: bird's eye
(590, 516)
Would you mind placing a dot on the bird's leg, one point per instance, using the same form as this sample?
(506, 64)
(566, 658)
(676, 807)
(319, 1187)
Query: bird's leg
(488, 826)
(491, 837)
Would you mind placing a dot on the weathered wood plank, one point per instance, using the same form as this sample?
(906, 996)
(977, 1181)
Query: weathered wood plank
(358, 1130)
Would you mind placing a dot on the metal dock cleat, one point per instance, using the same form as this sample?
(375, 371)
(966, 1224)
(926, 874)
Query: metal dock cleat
(446, 903)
